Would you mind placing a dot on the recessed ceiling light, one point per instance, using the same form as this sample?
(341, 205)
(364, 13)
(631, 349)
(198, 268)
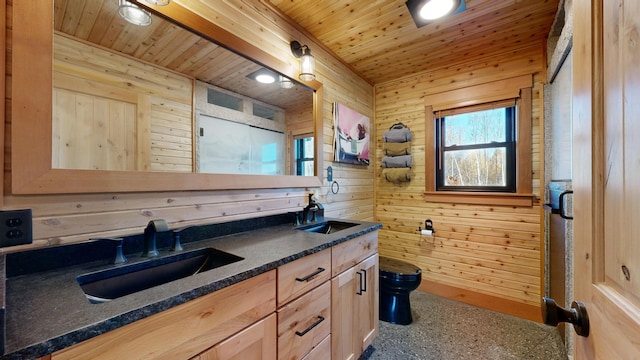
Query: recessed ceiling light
(436, 9)
(425, 11)
(264, 76)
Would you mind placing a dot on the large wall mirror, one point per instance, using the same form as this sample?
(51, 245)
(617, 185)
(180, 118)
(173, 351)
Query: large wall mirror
(165, 106)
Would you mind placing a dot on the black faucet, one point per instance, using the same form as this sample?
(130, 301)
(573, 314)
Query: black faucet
(154, 226)
(314, 207)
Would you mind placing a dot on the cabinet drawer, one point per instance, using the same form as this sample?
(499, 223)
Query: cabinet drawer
(349, 253)
(320, 352)
(304, 323)
(185, 330)
(302, 275)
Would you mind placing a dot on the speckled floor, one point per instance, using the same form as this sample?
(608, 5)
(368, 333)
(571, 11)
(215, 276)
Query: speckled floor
(444, 329)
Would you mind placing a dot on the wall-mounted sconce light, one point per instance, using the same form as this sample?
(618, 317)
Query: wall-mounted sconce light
(133, 13)
(307, 61)
(425, 11)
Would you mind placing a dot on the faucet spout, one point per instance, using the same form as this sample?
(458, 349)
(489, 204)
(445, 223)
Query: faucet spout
(154, 227)
(312, 207)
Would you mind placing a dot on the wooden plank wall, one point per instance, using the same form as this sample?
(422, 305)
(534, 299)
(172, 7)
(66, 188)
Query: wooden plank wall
(70, 218)
(480, 253)
(161, 135)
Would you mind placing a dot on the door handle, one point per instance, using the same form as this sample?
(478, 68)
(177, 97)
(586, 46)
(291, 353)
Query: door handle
(552, 315)
(360, 289)
(561, 209)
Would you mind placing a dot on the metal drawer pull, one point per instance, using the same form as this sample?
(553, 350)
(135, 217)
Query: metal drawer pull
(306, 278)
(320, 319)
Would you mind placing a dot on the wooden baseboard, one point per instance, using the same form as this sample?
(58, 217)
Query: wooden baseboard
(525, 311)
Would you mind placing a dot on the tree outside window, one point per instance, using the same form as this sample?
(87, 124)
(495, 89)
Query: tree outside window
(476, 151)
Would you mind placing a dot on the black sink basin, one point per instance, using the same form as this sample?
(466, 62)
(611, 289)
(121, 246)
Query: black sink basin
(327, 227)
(113, 283)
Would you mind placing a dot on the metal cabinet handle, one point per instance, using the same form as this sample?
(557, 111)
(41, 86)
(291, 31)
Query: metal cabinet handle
(320, 319)
(361, 277)
(364, 288)
(552, 315)
(306, 278)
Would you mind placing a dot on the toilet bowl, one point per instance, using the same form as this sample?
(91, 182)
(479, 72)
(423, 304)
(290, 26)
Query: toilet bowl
(397, 280)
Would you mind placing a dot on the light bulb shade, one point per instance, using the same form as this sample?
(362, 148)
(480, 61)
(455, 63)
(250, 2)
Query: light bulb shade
(133, 13)
(158, 2)
(307, 67)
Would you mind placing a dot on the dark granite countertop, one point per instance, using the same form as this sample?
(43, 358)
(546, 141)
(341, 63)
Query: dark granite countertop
(48, 311)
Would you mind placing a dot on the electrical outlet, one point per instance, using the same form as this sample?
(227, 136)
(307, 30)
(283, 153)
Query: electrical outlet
(15, 227)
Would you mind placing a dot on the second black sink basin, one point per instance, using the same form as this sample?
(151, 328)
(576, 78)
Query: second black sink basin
(113, 283)
(327, 227)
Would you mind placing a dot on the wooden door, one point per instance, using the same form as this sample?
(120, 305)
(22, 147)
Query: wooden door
(365, 319)
(606, 168)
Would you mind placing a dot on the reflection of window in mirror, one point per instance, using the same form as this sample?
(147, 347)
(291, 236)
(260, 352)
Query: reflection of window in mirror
(303, 153)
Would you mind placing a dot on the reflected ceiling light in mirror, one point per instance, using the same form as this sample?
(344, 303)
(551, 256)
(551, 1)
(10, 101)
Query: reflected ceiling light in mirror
(307, 61)
(286, 83)
(158, 2)
(133, 14)
(264, 76)
(425, 11)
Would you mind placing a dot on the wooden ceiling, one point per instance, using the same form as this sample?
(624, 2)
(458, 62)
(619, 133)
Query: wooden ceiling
(380, 41)
(170, 46)
(376, 38)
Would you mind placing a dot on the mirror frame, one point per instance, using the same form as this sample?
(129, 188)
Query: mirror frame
(31, 115)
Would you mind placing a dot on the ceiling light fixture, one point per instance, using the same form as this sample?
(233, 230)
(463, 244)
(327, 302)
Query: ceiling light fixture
(307, 61)
(133, 13)
(424, 12)
(264, 76)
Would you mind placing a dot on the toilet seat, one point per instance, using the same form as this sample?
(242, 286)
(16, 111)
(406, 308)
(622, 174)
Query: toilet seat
(394, 269)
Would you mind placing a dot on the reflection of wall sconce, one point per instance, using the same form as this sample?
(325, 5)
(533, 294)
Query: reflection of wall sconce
(286, 83)
(307, 61)
(158, 2)
(133, 13)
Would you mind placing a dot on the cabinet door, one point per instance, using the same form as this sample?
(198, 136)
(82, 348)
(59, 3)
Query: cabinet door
(366, 303)
(257, 342)
(354, 309)
(343, 290)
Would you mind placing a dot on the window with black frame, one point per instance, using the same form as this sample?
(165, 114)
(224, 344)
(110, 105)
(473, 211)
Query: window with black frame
(304, 154)
(476, 148)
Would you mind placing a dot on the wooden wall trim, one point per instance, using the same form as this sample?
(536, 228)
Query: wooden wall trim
(525, 311)
(492, 91)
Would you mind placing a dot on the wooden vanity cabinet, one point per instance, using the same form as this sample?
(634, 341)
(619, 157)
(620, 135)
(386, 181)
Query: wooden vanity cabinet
(321, 306)
(304, 306)
(257, 342)
(187, 330)
(354, 296)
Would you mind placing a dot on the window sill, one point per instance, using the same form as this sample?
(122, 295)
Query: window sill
(483, 198)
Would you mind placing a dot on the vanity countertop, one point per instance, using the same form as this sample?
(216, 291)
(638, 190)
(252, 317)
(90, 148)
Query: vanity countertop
(48, 311)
